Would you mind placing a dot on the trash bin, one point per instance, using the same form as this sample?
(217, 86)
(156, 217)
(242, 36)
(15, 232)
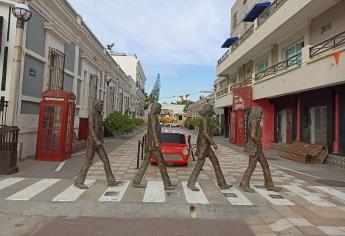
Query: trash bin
(8, 149)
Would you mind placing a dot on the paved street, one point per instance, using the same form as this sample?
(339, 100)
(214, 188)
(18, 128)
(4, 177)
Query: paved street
(303, 207)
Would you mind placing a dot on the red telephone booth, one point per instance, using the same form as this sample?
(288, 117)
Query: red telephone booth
(55, 127)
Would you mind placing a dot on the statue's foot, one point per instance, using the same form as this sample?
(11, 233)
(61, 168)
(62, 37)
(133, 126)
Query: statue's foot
(81, 185)
(225, 186)
(114, 182)
(274, 188)
(193, 188)
(169, 187)
(247, 189)
(139, 185)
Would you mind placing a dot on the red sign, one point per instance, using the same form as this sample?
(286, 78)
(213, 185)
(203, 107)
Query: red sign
(242, 98)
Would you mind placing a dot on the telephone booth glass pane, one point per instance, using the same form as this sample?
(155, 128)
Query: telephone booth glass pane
(51, 129)
(69, 127)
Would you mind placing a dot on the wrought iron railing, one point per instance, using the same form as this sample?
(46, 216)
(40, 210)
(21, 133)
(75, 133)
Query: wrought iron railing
(269, 11)
(291, 61)
(223, 58)
(3, 111)
(8, 138)
(328, 44)
(241, 84)
(222, 92)
(243, 38)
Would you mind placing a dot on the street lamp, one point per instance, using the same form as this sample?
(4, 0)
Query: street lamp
(107, 80)
(23, 14)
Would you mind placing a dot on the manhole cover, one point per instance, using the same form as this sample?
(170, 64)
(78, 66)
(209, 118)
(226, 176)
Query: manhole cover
(232, 195)
(276, 196)
(331, 182)
(273, 158)
(259, 186)
(173, 194)
(112, 194)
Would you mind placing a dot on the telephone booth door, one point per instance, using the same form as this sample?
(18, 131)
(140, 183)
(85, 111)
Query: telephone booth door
(55, 128)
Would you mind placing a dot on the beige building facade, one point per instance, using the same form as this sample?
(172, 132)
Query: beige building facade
(290, 61)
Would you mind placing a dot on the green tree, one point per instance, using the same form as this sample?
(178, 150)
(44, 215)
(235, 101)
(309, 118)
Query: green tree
(154, 95)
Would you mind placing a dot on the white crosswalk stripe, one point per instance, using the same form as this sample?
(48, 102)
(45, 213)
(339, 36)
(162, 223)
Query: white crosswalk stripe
(114, 194)
(334, 192)
(154, 192)
(308, 196)
(194, 197)
(273, 197)
(235, 197)
(72, 193)
(33, 190)
(9, 181)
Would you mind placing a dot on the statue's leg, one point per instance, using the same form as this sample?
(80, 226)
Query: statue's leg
(219, 173)
(163, 170)
(267, 173)
(248, 173)
(196, 171)
(90, 153)
(107, 168)
(141, 172)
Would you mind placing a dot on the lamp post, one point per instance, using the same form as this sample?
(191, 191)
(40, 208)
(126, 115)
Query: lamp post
(107, 80)
(22, 12)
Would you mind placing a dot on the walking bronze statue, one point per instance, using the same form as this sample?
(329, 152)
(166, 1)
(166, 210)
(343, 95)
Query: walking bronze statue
(95, 145)
(153, 146)
(256, 154)
(204, 149)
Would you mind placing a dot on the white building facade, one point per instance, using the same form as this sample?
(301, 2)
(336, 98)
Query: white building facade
(57, 32)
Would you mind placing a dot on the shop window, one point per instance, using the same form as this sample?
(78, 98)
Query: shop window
(284, 126)
(315, 125)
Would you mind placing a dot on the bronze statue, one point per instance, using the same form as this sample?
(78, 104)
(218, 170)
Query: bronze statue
(256, 154)
(153, 146)
(204, 149)
(95, 145)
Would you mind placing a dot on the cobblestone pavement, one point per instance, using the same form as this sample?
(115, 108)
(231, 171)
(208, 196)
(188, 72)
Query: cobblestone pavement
(301, 208)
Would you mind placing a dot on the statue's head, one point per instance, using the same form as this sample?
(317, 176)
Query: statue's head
(207, 111)
(255, 115)
(155, 108)
(99, 106)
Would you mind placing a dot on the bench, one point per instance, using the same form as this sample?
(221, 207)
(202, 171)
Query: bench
(304, 152)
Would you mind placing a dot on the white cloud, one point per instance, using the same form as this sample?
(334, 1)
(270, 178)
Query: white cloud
(175, 32)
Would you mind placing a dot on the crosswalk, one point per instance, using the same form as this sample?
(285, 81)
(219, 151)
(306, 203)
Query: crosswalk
(23, 189)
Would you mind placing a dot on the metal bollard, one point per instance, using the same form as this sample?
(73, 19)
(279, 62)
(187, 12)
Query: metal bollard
(142, 149)
(138, 154)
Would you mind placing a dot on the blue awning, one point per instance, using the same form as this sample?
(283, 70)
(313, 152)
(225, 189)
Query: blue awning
(256, 11)
(230, 41)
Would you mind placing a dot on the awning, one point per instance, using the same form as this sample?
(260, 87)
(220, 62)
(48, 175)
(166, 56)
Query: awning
(256, 10)
(230, 41)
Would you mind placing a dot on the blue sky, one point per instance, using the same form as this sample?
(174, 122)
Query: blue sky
(179, 39)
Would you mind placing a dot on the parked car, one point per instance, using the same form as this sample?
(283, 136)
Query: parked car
(174, 149)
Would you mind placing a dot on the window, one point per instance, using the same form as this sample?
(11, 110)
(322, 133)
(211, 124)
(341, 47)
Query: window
(234, 21)
(262, 66)
(292, 52)
(56, 69)
(173, 138)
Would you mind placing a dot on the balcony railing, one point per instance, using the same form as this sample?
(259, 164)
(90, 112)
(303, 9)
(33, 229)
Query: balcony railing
(222, 92)
(291, 61)
(328, 45)
(269, 11)
(243, 38)
(241, 84)
(3, 112)
(223, 58)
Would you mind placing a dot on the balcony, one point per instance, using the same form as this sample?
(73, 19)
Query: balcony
(222, 92)
(223, 58)
(281, 66)
(240, 84)
(281, 18)
(327, 45)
